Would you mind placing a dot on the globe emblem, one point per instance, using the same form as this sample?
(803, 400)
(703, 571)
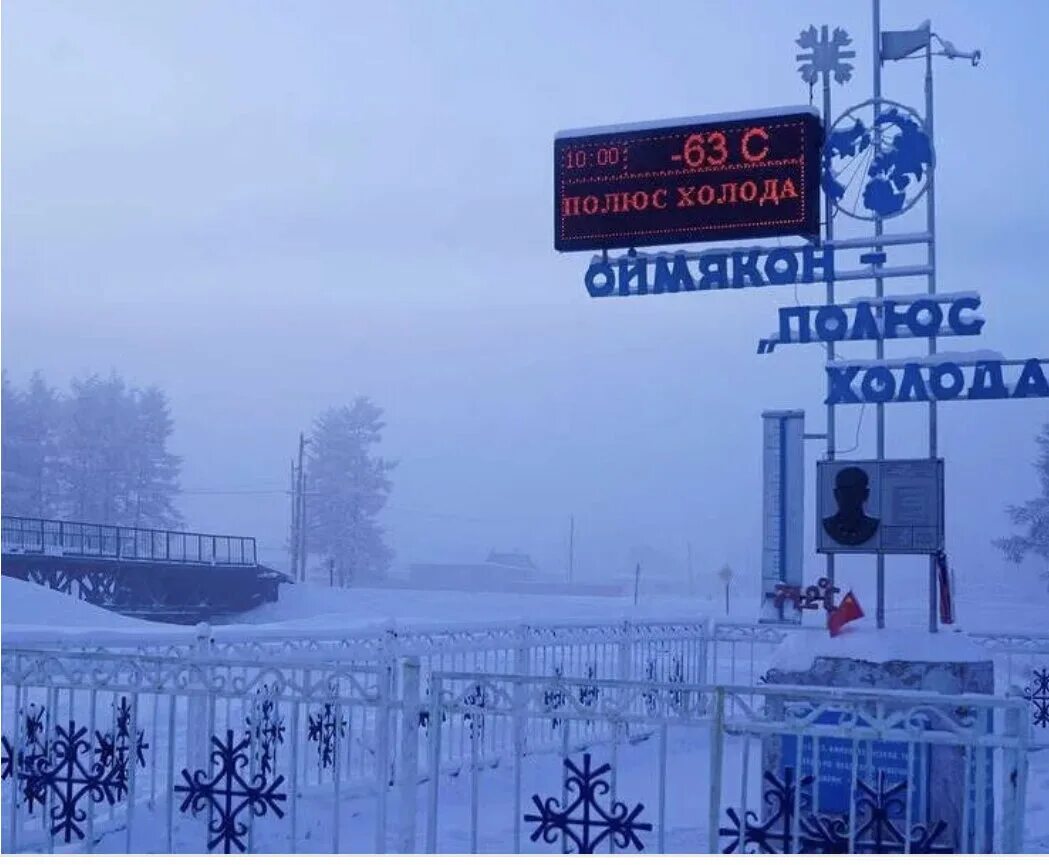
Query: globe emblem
(876, 160)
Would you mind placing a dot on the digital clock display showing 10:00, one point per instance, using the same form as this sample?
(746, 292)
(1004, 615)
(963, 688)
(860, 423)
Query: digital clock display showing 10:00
(704, 179)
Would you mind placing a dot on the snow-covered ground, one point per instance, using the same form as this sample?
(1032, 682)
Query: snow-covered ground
(35, 612)
(27, 608)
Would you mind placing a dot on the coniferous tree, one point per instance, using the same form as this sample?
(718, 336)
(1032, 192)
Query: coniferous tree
(347, 488)
(154, 472)
(95, 439)
(1033, 515)
(98, 454)
(31, 459)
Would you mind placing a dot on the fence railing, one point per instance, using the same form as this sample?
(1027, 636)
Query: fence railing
(93, 540)
(330, 745)
(681, 772)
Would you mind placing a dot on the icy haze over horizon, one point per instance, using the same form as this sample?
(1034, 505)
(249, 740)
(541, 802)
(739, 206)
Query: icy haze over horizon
(267, 209)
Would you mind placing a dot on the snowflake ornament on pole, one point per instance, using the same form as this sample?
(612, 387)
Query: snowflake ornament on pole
(826, 54)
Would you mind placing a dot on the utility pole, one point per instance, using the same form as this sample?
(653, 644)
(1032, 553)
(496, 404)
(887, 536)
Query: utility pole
(293, 541)
(637, 581)
(302, 528)
(571, 546)
(691, 586)
(299, 554)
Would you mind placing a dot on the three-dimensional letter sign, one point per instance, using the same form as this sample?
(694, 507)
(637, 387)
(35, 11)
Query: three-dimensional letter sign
(684, 181)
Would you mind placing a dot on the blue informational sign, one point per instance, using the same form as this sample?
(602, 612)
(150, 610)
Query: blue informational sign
(834, 772)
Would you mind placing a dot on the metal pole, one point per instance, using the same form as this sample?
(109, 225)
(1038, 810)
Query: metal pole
(879, 291)
(571, 546)
(637, 581)
(293, 542)
(828, 207)
(302, 530)
(930, 211)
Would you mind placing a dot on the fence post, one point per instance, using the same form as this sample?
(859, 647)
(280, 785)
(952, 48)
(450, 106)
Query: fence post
(197, 711)
(1014, 804)
(408, 772)
(706, 635)
(717, 742)
(624, 651)
(522, 667)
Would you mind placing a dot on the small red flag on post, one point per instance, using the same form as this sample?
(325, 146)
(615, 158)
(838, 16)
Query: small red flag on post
(848, 610)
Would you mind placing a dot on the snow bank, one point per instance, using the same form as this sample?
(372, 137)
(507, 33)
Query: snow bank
(32, 613)
(863, 641)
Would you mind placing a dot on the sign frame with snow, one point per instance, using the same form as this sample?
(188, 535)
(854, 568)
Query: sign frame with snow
(880, 506)
(689, 180)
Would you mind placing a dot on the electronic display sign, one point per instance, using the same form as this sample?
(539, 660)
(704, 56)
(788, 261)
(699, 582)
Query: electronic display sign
(706, 178)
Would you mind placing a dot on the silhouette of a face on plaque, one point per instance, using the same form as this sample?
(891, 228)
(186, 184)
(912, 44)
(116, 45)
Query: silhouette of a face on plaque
(850, 526)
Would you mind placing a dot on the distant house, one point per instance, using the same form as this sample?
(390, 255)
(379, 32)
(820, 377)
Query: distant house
(513, 572)
(512, 560)
(496, 572)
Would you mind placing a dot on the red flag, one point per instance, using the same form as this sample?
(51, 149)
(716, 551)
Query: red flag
(845, 612)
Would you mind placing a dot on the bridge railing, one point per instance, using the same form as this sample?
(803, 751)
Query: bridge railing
(95, 540)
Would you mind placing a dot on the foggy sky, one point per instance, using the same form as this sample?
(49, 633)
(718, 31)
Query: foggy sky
(267, 208)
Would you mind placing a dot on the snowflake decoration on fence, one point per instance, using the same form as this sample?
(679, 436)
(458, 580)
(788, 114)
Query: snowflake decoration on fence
(114, 749)
(61, 773)
(826, 54)
(475, 697)
(877, 832)
(33, 721)
(588, 693)
(554, 698)
(584, 821)
(228, 793)
(678, 698)
(322, 728)
(774, 829)
(7, 760)
(266, 728)
(1038, 697)
(34, 718)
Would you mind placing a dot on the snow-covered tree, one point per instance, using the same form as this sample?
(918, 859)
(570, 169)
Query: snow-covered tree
(1033, 515)
(153, 475)
(30, 456)
(98, 454)
(347, 488)
(95, 442)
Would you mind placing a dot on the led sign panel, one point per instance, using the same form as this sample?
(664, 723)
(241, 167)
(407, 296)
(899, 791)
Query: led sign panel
(708, 178)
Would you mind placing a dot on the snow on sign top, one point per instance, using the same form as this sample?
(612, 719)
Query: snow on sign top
(722, 177)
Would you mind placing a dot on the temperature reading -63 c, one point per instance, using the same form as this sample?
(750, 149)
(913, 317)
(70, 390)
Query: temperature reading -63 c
(712, 148)
(651, 184)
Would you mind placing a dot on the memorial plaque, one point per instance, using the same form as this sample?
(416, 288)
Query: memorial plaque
(879, 506)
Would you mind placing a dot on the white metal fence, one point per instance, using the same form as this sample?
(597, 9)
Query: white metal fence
(103, 748)
(682, 772)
